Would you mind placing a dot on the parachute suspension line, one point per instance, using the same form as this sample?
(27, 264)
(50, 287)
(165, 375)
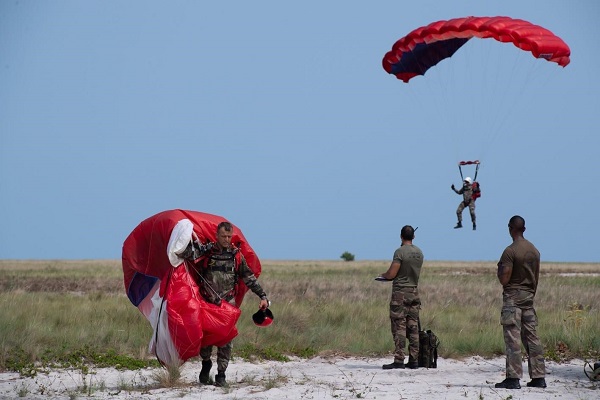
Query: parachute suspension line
(427, 46)
(461, 163)
(485, 75)
(509, 91)
(162, 303)
(418, 94)
(447, 88)
(527, 78)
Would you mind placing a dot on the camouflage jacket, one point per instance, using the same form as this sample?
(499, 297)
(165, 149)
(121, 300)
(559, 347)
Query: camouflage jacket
(219, 273)
(467, 192)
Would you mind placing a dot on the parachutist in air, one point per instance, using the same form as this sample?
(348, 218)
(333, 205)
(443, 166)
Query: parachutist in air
(470, 191)
(468, 201)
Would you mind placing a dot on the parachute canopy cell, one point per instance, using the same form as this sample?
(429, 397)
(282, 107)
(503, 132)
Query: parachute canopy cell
(426, 46)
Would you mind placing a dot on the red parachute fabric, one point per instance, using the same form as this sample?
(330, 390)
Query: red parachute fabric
(218, 324)
(426, 46)
(167, 295)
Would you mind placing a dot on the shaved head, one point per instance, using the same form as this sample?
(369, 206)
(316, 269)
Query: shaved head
(517, 223)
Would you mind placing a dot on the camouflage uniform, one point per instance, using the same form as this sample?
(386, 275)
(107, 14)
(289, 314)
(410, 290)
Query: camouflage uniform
(405, 303)
(467, 192)
(518, 317)
(221, 274)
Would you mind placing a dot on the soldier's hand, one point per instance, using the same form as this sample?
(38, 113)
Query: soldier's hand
(452, 187)
(264, 303)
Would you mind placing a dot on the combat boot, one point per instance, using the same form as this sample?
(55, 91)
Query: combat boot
(458, 225)
(220, 379)
(394, 365)
(412, 365)
(509, 383)
(205, 372)
(474, 227)
(537, 382)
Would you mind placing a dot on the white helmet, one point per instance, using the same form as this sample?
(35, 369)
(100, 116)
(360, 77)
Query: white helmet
(468, 179)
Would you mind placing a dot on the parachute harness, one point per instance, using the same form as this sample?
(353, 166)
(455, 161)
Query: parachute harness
(205, 283)
(475, 185)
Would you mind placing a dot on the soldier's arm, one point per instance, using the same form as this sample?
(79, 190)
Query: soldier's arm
(250, 280)
(505, 268)
(392, 270)
(537, 274)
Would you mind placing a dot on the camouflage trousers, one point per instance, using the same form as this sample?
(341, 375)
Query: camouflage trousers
(519, 324)
(404, 316)
(223, 355)
(462, 206)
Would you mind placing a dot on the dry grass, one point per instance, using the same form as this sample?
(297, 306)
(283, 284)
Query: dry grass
(106, 275)
(62, 276)
(320, 307)
(339, 301)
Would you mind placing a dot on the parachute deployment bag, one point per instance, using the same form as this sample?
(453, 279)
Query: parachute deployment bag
(476, 191)
(428, 345)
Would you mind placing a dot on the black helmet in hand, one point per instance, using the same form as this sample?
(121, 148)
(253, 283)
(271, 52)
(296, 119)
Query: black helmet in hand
(263, 317)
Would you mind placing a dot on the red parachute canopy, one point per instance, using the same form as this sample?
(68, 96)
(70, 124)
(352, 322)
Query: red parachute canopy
(426, 46)
(164, 291)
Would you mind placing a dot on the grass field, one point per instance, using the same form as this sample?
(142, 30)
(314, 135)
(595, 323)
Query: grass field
(74, 312)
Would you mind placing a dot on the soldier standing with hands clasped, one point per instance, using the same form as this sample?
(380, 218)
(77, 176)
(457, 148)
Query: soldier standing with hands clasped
(518, 272)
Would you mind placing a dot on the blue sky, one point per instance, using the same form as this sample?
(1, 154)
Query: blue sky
(280, 117)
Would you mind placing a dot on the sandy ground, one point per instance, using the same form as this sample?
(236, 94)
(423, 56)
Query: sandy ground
(318, 378)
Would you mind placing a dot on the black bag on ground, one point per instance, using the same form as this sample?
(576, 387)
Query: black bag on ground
(428, 345)
(592, 372)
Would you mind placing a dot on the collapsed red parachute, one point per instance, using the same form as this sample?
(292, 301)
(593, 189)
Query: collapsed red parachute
(426, 46)
(160, 285)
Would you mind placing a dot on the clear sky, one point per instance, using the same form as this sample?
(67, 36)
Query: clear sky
(279, 116)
